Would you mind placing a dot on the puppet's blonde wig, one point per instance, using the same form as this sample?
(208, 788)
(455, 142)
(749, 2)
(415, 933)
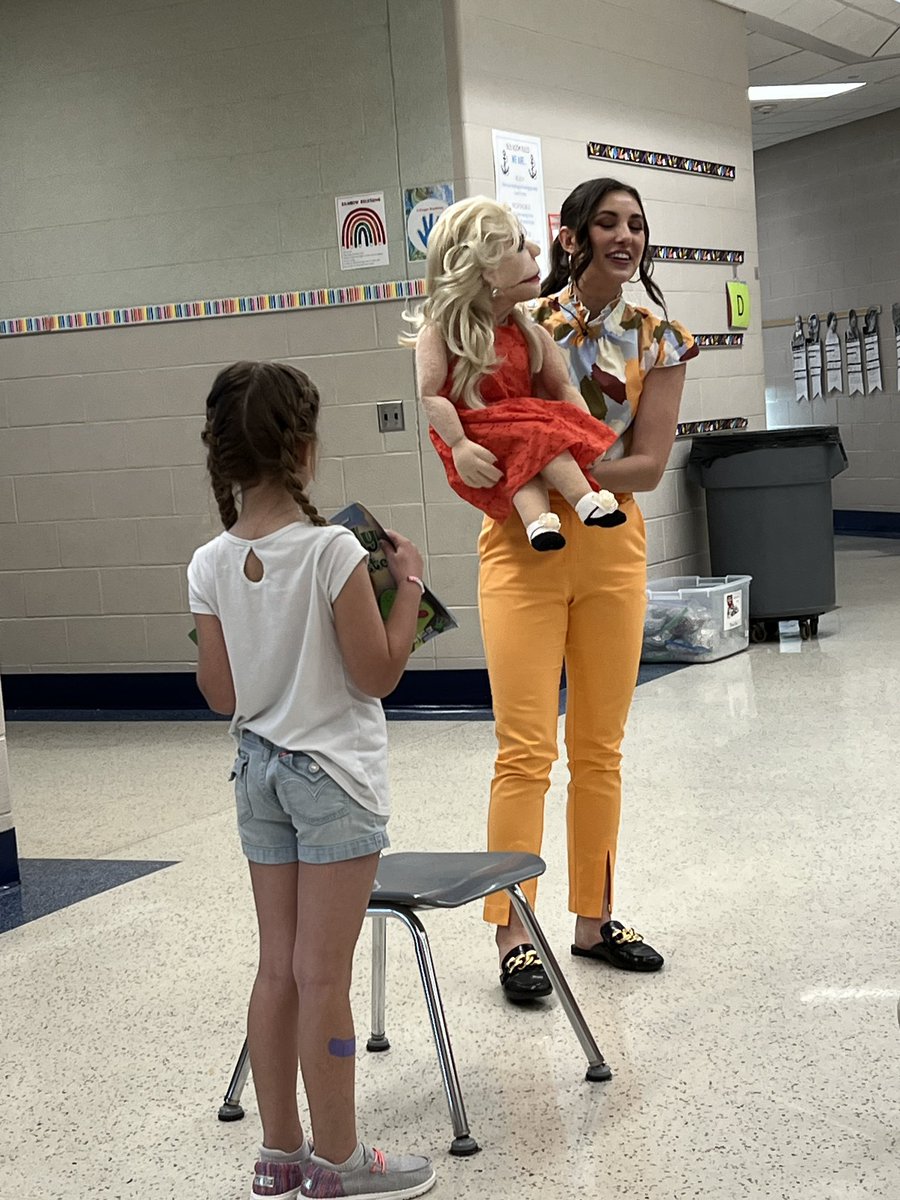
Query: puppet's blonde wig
(469, 238)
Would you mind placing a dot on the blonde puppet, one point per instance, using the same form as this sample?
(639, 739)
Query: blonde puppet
(481, 366)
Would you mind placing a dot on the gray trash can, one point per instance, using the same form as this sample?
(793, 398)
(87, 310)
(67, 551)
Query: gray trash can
(769, 513)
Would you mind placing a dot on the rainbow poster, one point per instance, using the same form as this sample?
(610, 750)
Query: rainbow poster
(362, 231)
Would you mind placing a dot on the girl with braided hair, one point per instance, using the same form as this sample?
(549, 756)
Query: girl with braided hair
(292, 645)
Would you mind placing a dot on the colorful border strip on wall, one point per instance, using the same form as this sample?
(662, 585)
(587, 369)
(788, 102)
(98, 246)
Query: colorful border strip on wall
(696, 254)
(686, 428)
(660, 160)
(719, 341)
(195, 310)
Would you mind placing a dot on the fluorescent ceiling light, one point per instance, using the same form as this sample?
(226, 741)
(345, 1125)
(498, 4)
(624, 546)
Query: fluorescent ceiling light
(801, 91)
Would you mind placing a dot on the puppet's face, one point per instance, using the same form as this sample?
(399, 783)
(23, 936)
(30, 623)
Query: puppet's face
(516, 276)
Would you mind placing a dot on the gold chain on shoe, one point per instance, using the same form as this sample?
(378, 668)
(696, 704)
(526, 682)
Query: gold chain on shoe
(528, 958)
(625, 936)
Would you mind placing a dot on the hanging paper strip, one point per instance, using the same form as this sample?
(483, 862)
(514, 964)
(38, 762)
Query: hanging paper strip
(719, 341)
(233, 306)
(872, 351)
(713, 426)
(659, 160)
(696, 254)
(834, 367)
(853, 340)
(798, 356)
(814, 357)
(895, 313)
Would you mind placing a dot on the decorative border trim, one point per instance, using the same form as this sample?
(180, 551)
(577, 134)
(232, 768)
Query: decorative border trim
(686, 428)
(696, 254)
(719, 341)
(660, 160)
(231, 306)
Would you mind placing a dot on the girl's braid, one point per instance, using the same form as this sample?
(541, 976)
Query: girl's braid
(223, 490)
(291, 476)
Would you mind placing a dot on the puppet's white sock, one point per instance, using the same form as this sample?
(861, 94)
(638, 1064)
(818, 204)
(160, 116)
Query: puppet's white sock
(544, 533)
(596, 504)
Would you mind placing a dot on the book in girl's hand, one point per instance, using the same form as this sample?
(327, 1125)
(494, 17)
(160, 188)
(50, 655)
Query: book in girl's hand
(433, 617)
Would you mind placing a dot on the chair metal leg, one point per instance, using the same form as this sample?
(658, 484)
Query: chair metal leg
(377, 1040)
(463, 1143)
(598, 1070)
(231, 1110)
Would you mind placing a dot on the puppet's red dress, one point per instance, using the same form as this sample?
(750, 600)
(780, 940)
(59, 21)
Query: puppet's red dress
(523, 432)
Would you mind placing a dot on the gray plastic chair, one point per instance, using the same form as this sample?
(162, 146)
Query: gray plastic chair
(409, 882)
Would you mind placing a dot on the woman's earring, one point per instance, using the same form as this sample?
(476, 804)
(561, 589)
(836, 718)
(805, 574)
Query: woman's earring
(495, 292)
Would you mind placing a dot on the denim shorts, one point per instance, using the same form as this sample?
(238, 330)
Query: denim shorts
(290, 810)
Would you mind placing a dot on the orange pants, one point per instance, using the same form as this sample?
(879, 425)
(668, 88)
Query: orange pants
(582, 605)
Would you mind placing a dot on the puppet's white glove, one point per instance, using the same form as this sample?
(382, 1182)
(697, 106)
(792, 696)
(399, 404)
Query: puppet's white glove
(475, 464)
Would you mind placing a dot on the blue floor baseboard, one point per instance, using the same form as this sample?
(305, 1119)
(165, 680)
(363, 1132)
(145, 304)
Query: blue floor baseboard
(173, 696)
(867, 524)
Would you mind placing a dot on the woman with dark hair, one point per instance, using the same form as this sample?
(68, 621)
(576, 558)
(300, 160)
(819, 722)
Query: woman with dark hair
(585, 609)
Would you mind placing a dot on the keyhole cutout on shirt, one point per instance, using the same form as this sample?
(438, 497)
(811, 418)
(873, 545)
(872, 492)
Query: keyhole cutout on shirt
(253, 568)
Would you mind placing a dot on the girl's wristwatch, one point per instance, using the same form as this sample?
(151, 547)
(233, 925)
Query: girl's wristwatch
(416, 579)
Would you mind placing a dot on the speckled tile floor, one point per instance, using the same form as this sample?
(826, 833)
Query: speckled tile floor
(758, 850)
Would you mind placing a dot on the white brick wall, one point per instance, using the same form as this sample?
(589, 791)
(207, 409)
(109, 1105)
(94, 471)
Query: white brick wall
(200, 156)
(629, 73)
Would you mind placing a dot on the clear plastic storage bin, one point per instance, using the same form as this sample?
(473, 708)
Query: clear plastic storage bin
(690, 619)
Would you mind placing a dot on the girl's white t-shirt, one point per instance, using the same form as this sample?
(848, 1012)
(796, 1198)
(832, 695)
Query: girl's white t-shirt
(290, 682)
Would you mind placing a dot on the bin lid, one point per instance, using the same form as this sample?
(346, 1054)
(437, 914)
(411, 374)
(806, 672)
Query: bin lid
(707, 447)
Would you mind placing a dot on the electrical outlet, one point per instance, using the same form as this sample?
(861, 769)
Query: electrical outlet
(390, 416)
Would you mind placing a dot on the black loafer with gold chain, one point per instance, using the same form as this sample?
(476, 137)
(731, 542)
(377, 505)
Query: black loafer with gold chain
(522, 975)
(623, 948)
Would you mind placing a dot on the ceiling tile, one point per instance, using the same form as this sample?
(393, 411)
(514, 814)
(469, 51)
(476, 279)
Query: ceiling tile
(762, 50)
(892, 46)
(809, 15)
(800, 67)
(857, 31)
(879, 8)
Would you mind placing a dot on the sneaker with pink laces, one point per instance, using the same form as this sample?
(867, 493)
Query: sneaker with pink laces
(277, 1180)
(368, 1174)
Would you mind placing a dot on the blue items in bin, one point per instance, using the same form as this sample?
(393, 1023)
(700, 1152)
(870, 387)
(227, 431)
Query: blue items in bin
(691, 619)
(684, 631)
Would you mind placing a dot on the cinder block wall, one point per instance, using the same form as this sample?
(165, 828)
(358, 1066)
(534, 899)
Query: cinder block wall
(829, 240)
(193, 156)
(199, 155)
(630, 73)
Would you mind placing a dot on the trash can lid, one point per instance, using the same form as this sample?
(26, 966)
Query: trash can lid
(707, 447)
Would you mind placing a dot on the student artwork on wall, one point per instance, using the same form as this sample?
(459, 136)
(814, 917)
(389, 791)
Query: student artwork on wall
(872, 352)
(895, 313)
(853, 341)
(814, 357)
(362, 231)
(421, 207)
(798, 357)
(834, 367)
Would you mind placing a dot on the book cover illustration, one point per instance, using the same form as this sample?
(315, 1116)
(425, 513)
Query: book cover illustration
(434, 618)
